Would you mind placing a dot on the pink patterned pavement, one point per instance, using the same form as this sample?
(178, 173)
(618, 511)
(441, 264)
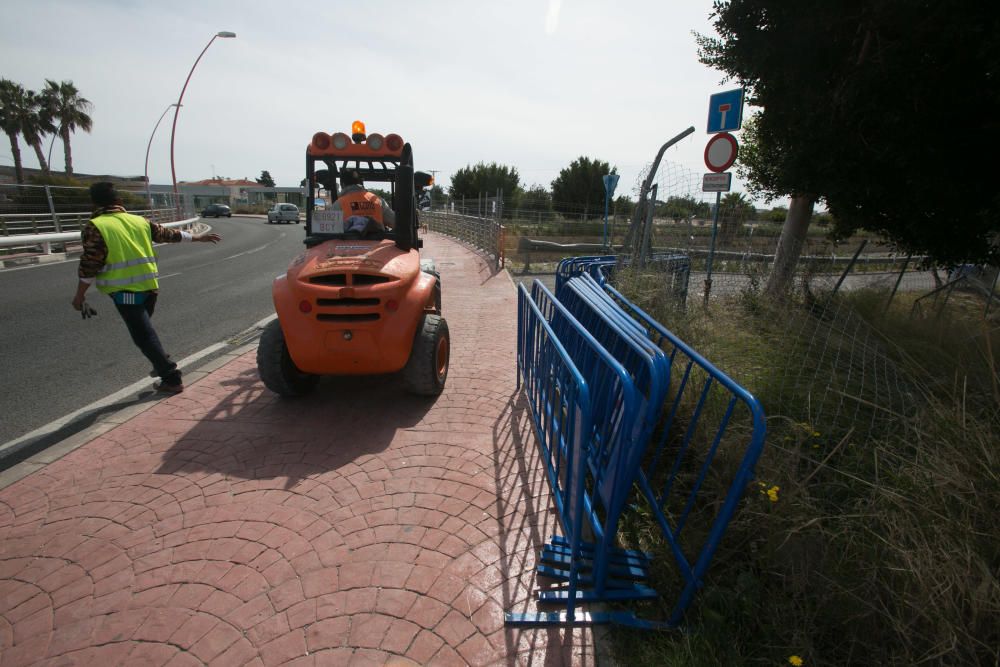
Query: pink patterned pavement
(359, 525)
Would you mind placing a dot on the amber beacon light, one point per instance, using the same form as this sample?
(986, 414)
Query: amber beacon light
(358, 131)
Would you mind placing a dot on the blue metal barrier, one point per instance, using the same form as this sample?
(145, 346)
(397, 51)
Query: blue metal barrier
(560, 405)
(625, 359)
(611, 465)
(574, 266)
(703, 387)
(675, 265)
(601, 409)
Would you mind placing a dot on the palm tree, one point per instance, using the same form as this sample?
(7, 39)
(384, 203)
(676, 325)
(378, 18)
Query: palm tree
(13, 109)
(69, 111)
(37, 123)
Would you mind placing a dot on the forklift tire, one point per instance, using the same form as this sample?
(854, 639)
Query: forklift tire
(427, 370)
(275, 365)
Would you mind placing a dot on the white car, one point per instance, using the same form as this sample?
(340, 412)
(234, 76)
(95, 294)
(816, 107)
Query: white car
(283, 213)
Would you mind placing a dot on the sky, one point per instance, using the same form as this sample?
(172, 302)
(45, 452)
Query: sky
(530, 84)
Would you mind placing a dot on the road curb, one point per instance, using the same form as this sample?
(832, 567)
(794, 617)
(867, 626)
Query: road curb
(47, 454)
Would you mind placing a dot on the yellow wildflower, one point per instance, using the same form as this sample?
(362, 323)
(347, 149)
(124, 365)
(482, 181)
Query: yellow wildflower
(795, 660)
(815, 434)
(772, 494)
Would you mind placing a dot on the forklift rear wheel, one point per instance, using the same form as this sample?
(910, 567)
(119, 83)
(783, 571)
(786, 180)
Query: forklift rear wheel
(427, 369)
(275, 365)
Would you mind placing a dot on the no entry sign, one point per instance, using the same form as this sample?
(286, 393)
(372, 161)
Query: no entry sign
(720, 153)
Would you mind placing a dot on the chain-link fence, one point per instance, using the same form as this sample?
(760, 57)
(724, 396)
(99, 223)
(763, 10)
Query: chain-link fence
(733, 242)
(53, 209)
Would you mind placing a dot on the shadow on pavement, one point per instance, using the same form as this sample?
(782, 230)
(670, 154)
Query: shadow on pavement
(254, 434)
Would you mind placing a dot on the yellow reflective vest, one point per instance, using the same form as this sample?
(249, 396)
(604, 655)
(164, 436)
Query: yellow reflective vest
(131, 264)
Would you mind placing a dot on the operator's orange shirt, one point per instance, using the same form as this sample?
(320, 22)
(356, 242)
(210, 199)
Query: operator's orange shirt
(362, 203)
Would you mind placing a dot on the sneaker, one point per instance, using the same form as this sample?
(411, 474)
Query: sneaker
(168, 388)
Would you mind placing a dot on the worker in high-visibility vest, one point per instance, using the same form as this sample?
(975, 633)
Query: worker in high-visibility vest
(118, 258)
(364, 211)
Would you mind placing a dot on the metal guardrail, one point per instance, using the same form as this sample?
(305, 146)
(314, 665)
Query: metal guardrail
(14, 224)
(46, 240)
(485, 234)
(653, 400)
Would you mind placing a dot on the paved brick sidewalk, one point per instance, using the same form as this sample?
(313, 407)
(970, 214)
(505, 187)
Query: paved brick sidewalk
(358, 525)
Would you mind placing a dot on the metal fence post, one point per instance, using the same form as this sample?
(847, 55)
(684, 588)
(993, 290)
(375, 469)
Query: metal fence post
(898, 281)
(850, 265)
(52, 210)
(647, 232)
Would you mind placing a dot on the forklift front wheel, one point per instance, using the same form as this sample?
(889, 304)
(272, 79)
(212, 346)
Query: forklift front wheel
(275, 365)
(426, 371)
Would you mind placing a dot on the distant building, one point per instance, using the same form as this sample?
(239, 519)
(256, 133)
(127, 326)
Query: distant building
(233, 192)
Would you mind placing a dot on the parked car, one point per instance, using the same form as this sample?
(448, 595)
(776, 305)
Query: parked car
(283, 213)
(216, 211)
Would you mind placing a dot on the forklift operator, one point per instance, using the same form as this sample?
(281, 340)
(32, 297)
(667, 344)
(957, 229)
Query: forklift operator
(364, 211)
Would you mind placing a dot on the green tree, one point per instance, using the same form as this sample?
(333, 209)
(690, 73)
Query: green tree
(536, 199)
(438, 195)
(484, 179)
(777, 214)
(580, 186)
(861, 102)
(69, 111)
(623, 206)
(682, 208)
(265, 179)
(15, 113)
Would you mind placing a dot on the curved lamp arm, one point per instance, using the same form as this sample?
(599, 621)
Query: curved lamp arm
(173, 130)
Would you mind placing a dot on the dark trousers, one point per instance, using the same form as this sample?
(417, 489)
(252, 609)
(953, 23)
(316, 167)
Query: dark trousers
(140, 327)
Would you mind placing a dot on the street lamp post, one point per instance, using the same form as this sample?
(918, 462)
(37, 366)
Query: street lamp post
(177, 109)
(149, 197)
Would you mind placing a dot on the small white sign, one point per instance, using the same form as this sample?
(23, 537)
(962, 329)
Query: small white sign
(330, 221)
(717, 182)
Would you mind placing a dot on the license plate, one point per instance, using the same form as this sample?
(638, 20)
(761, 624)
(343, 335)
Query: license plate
(328, 222)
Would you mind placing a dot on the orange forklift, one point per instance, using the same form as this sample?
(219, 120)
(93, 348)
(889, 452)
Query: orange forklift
(358, 301)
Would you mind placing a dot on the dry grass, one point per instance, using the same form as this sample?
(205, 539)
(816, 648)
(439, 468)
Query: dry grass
(882, 547)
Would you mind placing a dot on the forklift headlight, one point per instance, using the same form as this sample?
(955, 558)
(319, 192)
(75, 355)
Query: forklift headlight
(341, 141)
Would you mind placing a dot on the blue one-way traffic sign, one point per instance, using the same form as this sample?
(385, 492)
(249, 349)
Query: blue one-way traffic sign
(725, 111)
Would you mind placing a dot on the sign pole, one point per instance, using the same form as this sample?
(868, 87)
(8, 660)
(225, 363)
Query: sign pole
(711, 250)
(607, 197)
(610, 183)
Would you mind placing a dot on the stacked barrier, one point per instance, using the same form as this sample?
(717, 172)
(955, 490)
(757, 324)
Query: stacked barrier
(675, 269)
(637, 377)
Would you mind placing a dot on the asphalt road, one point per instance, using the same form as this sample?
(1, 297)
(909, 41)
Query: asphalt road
(52, 362)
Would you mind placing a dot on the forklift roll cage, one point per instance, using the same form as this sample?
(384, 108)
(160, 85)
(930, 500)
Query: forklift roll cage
(396, 171)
